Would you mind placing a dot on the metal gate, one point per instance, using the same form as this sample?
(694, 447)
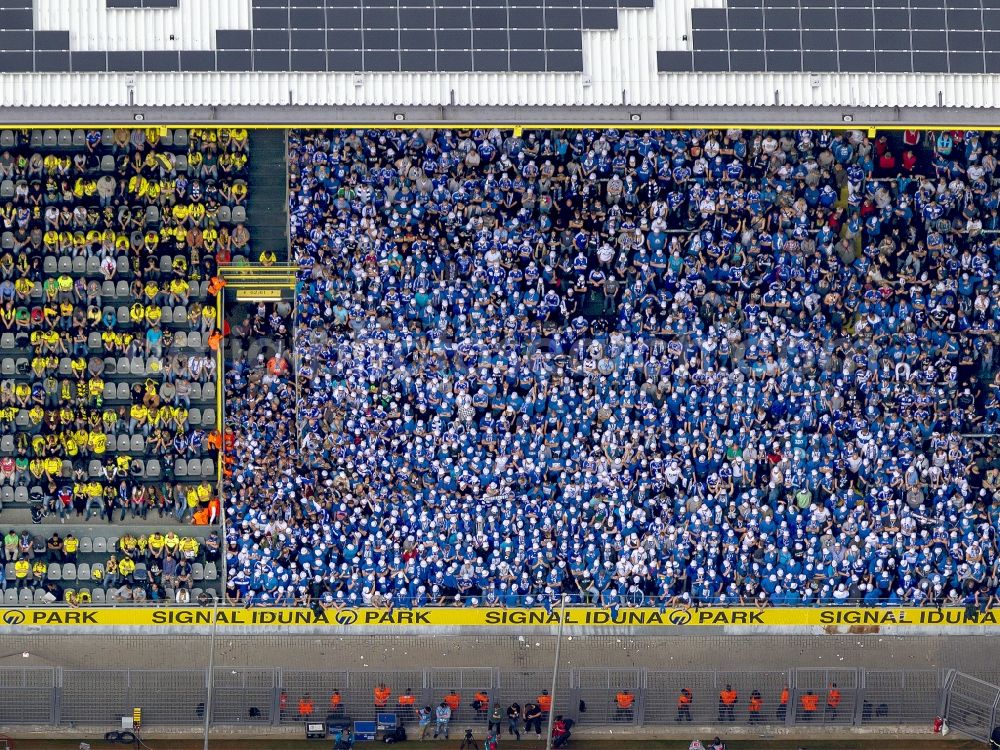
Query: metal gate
(972, 705)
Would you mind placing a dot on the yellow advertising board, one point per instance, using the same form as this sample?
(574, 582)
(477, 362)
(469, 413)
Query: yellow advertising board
(599, 617)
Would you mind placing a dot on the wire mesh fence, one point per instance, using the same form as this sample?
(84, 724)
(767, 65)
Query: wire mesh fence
(592, 697)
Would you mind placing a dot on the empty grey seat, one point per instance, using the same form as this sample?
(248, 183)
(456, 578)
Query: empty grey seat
(22, 420)
(107, 163)
(152, 215)
(110, 391)
(83, 572)
(21, 494)
(180, 314)
(93, 265)
(65, 264)
(198, 571)
(122, 290)
(79, 265)
(123, 314)
(137, 444)
(137, 366)
(38, 597)
(69, 572)
(166, 315)
(225, 215)
(9, 571)
(194, 468)
(153, 469)
(195, 394)
(7, 189)
(6, 494)
(181, 163)
(86, 545)
(50, 265)
(94, 468)
(65, 139)
(7, 366)
(208, 416)
(181, 137)
(65, 366)
(7, 139)
(55, 572)
(123, 443)
(97, 595)
(167, 139)
(7, 240)
(239, 215)
(123, 366)
(100, 545)
(194, 416)
(108, 289)
(10, 596)
(211, 571)
(7, 444)
(124, 392)
(25, 597)
(181, 468)
(7, 341)
(194, 341)
(79, 138)
(207, 467)
(50, 139)
(94, 341)
(35, 139)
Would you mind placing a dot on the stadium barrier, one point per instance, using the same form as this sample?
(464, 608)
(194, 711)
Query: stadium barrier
(485, 617)
(54, 696)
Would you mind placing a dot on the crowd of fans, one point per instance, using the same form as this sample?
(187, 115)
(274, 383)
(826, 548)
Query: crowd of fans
(153, 567)
(669, 368)
(108, 321)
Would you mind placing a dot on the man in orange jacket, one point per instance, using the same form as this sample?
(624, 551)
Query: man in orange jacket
(810, 704)
(382, 693)
(306, 707)
(782, 711)
(832, 701)
(727, 703)
(684, 701)
(623, 703)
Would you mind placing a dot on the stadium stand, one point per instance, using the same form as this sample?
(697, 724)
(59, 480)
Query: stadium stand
(674, 367)
(107, 329)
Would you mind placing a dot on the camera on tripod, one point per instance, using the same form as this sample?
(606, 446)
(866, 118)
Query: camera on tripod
(469, 742)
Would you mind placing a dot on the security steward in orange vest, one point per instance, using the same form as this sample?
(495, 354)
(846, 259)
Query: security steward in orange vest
(336, 702)
(832, 701)
(306, 707)
(684, 701)
(810, 705)
(727, 703)
(382, 693)
(623, 703)
(405, 703)
(754, 707)
(481, 703)
(544, 702)
(782, 711)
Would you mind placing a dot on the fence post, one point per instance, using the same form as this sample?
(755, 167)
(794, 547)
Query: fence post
(56, 713)
(276, 698)
(793, 697)
(949, 677)
(640, 699)
(859, 699)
